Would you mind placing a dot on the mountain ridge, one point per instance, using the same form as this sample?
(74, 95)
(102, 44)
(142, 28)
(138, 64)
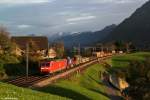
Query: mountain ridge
(85, 38)
(135, 29)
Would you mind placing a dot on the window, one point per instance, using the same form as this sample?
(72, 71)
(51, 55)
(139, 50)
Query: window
(47, 64)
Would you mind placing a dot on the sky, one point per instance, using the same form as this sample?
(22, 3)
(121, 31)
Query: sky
(49, 17)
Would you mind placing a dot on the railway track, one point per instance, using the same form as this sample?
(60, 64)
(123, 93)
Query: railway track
(40, 81)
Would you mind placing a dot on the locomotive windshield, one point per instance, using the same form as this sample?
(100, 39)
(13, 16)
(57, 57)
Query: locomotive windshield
(45, 64)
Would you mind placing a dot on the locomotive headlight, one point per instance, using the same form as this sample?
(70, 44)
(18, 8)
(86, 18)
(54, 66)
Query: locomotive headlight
(44, 68)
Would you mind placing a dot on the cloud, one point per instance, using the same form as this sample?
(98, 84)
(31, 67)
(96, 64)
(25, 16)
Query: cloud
(113, 1)
(72, 23)
(80, 18)
(52, 16)
(24, 1)
(23, 26)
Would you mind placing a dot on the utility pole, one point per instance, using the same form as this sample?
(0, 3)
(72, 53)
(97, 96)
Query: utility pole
(107, 49)
(79, 49)
(102, 48)
(48, 50)
(27, 61)
(79, 52)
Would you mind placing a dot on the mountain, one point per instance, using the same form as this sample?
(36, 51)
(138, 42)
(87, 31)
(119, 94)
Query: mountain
(55, 36)
(85, 38)
(135, 29)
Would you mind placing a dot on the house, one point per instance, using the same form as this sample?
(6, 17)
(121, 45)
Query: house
(17, 51)
(40, 44)
(52, 53)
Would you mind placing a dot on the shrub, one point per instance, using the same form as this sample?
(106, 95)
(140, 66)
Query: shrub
(137, 75)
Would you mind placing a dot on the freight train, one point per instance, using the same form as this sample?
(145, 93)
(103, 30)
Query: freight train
(52, 66)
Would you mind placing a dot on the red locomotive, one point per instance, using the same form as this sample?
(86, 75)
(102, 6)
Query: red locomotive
(53, 66)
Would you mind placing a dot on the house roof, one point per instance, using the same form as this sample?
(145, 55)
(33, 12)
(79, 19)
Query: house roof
(40, 41)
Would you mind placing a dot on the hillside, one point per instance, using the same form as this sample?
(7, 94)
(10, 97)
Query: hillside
(136, 28)
(85, 86)
(135, 69)
(86, 38)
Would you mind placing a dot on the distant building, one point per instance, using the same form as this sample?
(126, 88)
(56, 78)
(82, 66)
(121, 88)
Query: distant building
(98, 54)
(59, 48)
(41, 43)
(52, 53)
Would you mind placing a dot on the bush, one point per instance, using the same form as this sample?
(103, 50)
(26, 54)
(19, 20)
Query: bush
(2, 71)
(6, 65)
(14, 69)
(137, 75)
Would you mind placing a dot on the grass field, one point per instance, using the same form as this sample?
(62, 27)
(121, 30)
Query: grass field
(119, 62)
(85, 86)
(123, 60)
(15, 93)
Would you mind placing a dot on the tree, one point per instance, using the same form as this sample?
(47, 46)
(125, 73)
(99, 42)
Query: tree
(138, 76)
(7, 59)
(33, 46)
(120, 45)
(59, 48)
(34, 55)
(5, 43)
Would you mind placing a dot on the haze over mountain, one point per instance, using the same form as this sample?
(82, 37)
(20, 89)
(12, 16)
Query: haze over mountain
(136, 28)
(85, 38)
